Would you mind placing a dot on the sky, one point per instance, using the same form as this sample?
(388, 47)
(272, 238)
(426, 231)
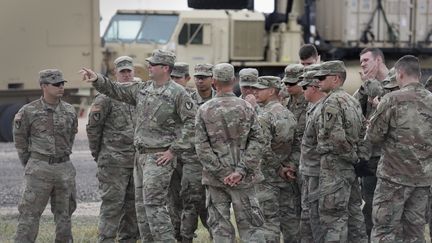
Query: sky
(109, 7)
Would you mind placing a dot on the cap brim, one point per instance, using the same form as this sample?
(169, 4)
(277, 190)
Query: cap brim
(125, 67)
(259, 86)
(203, 74)
(177, 75)
(303, 83)
(290, 80)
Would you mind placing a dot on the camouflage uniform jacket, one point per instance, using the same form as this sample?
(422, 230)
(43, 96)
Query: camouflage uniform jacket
(340, 128)
(199, 100)
(310, 158)
(229, 139)
(298, 107)
(110, 131)
(403, 124)
(45, 129)
(362, 96)
(160, 112)
(278, 125)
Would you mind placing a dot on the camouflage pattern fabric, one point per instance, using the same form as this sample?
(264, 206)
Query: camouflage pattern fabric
(310, 169)
(42, 131)
(402, 124)
(117, 216)
(278, 125)
(228, 138)
(192, 190)
(298, 106)
(398, 206)
(165, 116)
(110, 131)
(340, 128)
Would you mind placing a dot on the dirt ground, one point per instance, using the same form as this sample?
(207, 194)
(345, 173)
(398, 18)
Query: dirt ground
(11, 176)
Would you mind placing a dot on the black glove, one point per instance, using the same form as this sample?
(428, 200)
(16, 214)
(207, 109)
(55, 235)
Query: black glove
(362, 169)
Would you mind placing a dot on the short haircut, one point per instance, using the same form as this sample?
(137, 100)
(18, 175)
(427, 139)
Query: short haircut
(410, 66)
(307, 51)
(376, 52)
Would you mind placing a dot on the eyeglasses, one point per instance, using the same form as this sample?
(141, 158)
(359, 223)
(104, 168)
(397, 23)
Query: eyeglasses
(306, 86)
(58, 84)
(291, 84)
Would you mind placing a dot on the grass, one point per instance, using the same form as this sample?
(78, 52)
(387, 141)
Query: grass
(84, 229)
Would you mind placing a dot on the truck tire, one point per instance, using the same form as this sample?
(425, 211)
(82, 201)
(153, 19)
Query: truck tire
(6, 121)
(220, 4)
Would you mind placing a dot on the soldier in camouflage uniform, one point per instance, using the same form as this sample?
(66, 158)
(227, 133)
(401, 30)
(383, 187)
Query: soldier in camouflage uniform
(403, 125)
(44, 131)
(228, 145)
(247, 77)
(110, 131)
(162, 108)
(372, 74)
(310, 161)
(340, 126)
(428, 84)
(278, 125)
(308, 55)
(180, 75)
(193, 192)
(297, 104)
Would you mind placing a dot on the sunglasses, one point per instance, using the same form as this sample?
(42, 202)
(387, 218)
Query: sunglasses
(306, 86)
(291, 84)
(58, 84)
(155, 64)
(321, 78)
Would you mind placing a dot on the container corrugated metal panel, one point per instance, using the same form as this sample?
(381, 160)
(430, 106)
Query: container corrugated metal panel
(423, 22)
(342, 22)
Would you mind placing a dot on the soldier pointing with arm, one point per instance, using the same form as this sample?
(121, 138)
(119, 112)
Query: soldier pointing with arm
(162, 107)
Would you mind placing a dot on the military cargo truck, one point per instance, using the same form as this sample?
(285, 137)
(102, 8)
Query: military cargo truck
(231, 31)
(44, 34)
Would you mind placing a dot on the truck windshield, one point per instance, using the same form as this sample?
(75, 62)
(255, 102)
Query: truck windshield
(147, 28)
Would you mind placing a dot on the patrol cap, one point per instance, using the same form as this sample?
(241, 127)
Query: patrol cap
(390, 80)
(180, 70)
(313, 67)
(123, 62)
(292, 73)
(203, 69)
(162, 57)
(51, 76)
(265, 82)
(331, 68)
(248, 76)
(308, 78)
(223, 72)
(373, 88)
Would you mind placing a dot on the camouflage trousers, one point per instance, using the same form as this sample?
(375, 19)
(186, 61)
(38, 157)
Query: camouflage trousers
(117, 212)
(280, 204)
(174, 200)
(309, 224)
(340, 202)
(43, 182)
(193, 196)
(397, 207)
(151, 195)
(248, 215)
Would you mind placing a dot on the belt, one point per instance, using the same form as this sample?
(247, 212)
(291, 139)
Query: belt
(151, 150)
(50, 159)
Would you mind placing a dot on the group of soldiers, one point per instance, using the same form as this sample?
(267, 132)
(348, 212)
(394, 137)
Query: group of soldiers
(293, 157)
